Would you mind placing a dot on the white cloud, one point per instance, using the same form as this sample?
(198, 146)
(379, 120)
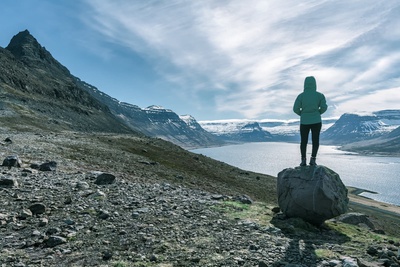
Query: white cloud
(378, 100)
(258, 52)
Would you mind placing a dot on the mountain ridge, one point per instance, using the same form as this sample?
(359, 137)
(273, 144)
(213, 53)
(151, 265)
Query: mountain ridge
(35, 85)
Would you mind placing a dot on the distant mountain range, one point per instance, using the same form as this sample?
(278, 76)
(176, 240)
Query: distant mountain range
(258, 131)
(351, 128)
(378, 132)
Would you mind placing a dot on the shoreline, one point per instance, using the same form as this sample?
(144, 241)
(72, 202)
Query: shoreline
(356, 199)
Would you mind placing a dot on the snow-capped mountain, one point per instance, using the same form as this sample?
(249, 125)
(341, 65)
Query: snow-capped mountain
(259, 131)
(156, 121)
(351, 128)
(237, 130)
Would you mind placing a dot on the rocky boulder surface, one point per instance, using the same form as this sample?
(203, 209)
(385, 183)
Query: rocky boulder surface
(313, 193)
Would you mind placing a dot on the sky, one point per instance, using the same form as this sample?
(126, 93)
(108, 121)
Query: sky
(222, 59)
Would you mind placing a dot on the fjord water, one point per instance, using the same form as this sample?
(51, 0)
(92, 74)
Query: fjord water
(374, 173)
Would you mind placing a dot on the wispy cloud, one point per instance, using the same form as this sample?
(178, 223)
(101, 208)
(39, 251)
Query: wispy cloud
(258, 52)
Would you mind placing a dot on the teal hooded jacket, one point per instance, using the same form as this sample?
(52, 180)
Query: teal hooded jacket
(310, 104)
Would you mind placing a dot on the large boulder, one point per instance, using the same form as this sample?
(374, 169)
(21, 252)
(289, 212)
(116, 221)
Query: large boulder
(313, 193)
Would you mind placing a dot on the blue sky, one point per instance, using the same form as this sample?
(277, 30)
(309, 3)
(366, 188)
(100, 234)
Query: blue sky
(222, 59)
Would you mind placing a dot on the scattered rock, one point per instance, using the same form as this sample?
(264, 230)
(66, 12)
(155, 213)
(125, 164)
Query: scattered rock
(37, 208)
(43, 222)
(107, 255)
(35, 166)
(104, 179)
(8, 182)
(244, 199)
(25, 213)
(55, 241)
(356, 219)
(48, 166)
(12, 161)
(314, 194)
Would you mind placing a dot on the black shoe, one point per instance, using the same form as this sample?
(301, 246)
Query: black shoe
(303, 162)
(313, 161)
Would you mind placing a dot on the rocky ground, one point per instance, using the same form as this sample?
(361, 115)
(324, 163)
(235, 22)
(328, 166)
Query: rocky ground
(134, 201)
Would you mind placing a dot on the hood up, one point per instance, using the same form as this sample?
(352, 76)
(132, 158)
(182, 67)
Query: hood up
(310, 84)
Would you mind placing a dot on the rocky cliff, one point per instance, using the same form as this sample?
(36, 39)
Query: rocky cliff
(37, 91)
(35, 87)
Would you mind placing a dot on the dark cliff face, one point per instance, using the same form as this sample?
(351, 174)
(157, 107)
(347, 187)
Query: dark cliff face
(39, 92)
(34, 70)
(28, 50)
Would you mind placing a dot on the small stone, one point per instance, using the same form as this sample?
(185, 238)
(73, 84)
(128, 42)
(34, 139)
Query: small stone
(103, 214)
(104, 179)
(53, 230)
(25, 213)
(153, 258)
(55, 241)
(12, 161)
(82, 185)
(38, 208)
(48, 166)
(43, 222)
(244, 199)
(36, 233)
(35, 166)
(107, 255)
(372, 251)
(69, 222)
(217, 197)
(68, 200)
(8, 182)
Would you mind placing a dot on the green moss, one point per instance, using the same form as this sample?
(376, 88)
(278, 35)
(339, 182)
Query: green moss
(258, 211)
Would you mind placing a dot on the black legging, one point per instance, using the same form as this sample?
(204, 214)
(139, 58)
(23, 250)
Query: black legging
(304, 132)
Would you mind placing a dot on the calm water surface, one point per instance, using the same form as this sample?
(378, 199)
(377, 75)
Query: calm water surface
(374, 173)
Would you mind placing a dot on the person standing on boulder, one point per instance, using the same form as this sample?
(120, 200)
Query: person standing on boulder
(309, 105)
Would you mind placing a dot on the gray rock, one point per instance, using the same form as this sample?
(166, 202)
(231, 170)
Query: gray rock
(244, 199)
(43, 222)
(25, 213)
(12, 161)
(103, 214)
(349, 262)
(8, 182)
(356, 219)
(48, 166)
(313, 193)
(82, 185)
(104, 179)
(53, 230)
(55, 241)
(37, 208)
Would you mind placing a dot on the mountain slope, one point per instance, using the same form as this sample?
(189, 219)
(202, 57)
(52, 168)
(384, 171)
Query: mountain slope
(156, 121)
(38, 91)
(351, 128)
(388, 144)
